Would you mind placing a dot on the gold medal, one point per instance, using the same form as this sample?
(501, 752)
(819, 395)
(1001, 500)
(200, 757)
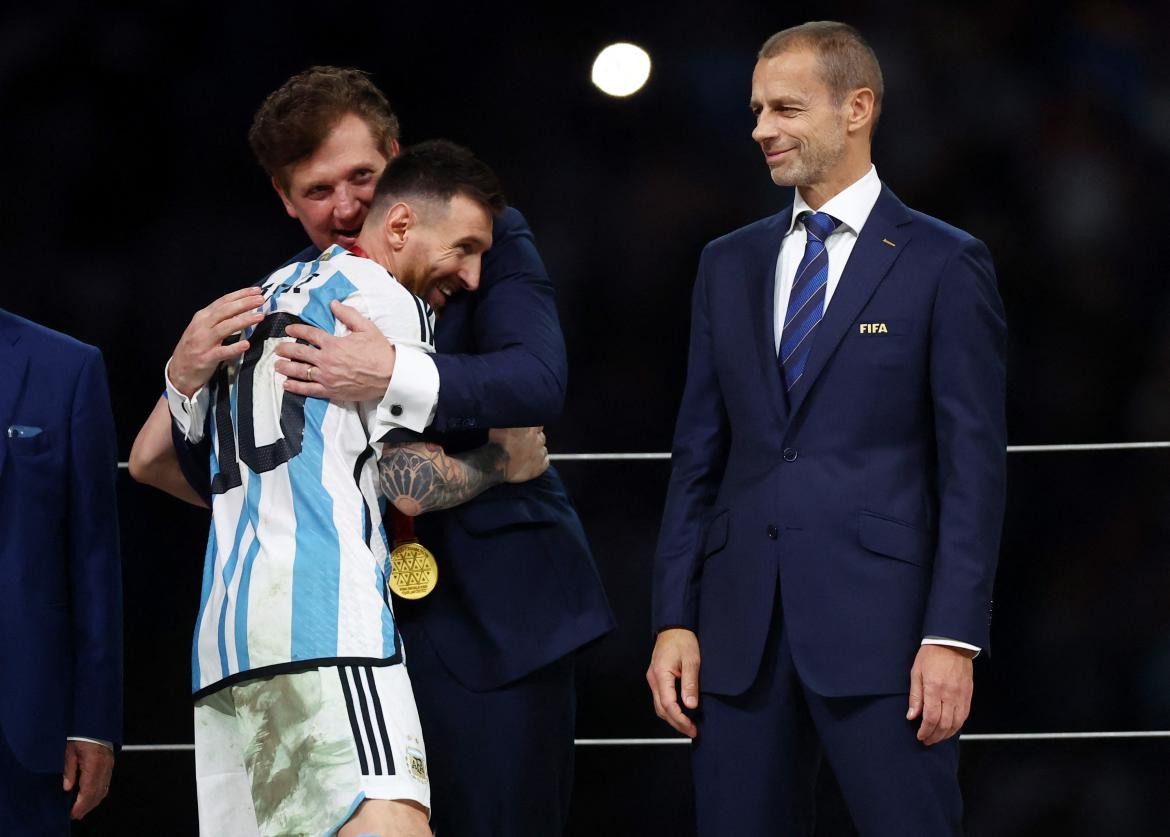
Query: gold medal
(413, 570)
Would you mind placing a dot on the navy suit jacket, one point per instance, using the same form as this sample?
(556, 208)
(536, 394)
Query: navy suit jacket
(517, 587)
(873, 492)
(60, 570)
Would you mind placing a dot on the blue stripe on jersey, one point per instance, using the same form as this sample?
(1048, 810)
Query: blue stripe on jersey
(317, 564)
(389, 642)
(204, 595)
(208, 562)
(286, 284)
(252, 509)
(229, 571)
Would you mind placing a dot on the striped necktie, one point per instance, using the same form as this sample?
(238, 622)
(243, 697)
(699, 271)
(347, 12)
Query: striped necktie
(806, 302)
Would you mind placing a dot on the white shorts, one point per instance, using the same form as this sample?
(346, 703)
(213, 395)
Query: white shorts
(295, 754)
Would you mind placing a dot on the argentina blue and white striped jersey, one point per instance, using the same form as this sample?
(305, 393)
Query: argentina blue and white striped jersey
(297, 558)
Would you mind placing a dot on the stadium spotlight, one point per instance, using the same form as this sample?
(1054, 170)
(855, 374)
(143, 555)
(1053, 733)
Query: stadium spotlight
(621, 69)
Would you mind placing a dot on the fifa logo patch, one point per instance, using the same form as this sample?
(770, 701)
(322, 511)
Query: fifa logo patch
(416, 763)
(874, 328)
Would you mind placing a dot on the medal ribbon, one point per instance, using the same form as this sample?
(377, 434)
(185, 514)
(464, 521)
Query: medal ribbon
(403, 525)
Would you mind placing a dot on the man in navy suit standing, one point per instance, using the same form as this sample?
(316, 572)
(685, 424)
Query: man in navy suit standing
(491, 650)
(60, 581)
(824, 571)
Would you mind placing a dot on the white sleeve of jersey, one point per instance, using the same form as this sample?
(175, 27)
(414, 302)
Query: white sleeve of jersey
(397, 313)
(408, 323)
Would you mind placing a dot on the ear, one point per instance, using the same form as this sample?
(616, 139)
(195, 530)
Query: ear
(288, 207)
(859, 113)
(400, 219)
(395, 149)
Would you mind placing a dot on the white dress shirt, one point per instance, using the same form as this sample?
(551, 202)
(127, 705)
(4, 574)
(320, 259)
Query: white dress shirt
(413, 396)
(851, 207)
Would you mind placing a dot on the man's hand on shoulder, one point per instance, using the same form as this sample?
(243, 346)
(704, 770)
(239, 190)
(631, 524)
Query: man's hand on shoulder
(675, 656)
(200, 350)
(354, 367)
(88, 767)
(941, 684)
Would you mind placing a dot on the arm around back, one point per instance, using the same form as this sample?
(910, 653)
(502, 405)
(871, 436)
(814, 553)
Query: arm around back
(154, 459)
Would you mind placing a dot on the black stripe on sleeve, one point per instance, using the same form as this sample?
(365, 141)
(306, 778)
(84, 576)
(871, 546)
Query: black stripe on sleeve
(367, 523)
(369, 727)
(422, 318)
(385, 734)
(353, 724)
(430, 312)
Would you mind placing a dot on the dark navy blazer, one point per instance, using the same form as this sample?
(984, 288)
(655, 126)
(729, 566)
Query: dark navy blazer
(60, 570)
(517, 584)
(874, 496)
(518, 587)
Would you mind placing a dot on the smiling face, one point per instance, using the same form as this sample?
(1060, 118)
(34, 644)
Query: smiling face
(437, 250)
(799, 127)
(330, 191)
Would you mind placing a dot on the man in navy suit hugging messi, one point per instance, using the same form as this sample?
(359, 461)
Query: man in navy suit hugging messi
(491, 649)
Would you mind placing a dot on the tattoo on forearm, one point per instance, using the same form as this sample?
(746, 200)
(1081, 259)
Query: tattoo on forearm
(421, 477)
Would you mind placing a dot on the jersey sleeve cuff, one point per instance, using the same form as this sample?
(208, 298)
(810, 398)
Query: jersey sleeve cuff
(413, 394)
(953, 643)
(188, 413)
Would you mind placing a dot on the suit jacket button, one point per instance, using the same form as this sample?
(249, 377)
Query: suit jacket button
(396, 409)
(789, 454)
(773, 532)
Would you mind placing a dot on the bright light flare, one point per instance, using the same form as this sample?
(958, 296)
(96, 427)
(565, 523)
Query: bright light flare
(621, 69)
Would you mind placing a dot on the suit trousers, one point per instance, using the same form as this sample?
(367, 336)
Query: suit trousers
(756, 758)
(31, 804)
(500, 761)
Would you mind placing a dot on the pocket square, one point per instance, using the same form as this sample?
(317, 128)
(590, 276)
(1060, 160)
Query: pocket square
(22, 431)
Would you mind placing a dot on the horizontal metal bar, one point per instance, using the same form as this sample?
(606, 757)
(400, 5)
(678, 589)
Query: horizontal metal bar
(627, 457)
(1095, 446)
(1064, 736)
(158, 748)
(661, 741)
(628, 742)
(605, 457)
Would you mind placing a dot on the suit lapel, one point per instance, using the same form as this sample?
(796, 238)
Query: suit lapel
(868, 264)
(13, 362)
(762, 299)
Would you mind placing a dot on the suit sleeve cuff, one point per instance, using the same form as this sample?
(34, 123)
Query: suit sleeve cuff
(188, 413)
(413, 394)
(953, 643)
(108, 744)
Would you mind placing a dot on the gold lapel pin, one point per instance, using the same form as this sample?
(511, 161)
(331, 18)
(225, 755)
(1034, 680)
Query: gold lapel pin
(887, 241)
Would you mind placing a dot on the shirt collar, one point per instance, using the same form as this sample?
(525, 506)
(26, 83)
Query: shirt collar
(851, 206)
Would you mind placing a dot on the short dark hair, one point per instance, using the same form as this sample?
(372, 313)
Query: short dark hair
(439, 170)
(846, 60)
(297, 117)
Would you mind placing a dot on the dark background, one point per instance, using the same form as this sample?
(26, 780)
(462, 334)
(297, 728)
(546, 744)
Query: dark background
(128, 199)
